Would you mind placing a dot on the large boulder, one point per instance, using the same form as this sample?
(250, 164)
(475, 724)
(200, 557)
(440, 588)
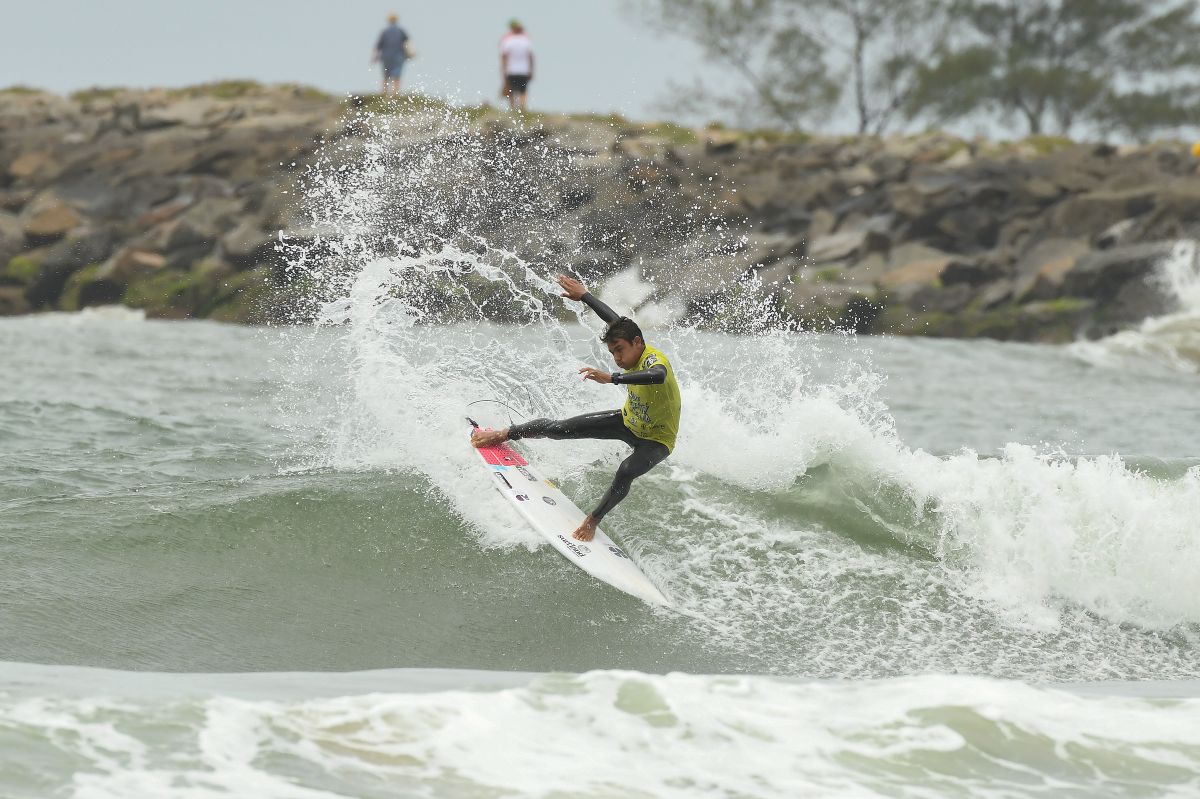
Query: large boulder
(35, 167)
(60, 260)
(194, 112)
(248, 244)
(912, 267)
(1040, 271)
(48, 218)
(198, 227)
(1103, 273)
(1088, 215)
(1176, 212)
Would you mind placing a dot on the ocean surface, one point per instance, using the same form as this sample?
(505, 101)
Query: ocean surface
(263, 562)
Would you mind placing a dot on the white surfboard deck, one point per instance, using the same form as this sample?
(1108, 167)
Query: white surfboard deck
(550, 512)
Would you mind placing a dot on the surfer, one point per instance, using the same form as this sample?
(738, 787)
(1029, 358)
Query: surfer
(649, 421)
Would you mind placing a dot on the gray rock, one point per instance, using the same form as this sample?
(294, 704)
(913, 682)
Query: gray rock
(823, 224)
(1041, 270)
(1088, 215)
(247, 244)
(201, 225)
(972, 272)
(47, 218)
(837, 246)
(911, 268)
(1104, 273)
(198, 112)
(12, 237)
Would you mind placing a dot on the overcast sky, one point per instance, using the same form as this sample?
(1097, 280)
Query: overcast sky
(590, 55)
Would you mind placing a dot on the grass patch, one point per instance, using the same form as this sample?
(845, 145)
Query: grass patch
(21, 89)
(612, 119)
(675, 134)
(774, 136)
(387, 105)
(96, 93)
(221, 90)
(1044, 145)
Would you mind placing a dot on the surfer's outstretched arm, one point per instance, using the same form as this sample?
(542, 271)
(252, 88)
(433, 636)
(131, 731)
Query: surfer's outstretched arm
(574, 290)
(603, 311)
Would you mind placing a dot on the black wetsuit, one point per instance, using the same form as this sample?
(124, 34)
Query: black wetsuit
(607, 425)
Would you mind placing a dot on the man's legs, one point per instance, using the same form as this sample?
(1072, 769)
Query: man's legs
(601, 424)
(604, 425)
(645, 456)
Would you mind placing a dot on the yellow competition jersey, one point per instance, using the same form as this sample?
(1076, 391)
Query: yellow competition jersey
(652, 412)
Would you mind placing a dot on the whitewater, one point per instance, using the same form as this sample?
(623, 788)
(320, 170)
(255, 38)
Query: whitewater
(262, 562)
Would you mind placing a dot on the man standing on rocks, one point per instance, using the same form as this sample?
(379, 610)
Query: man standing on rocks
(391, 51)
(649, 422)
(516, 65)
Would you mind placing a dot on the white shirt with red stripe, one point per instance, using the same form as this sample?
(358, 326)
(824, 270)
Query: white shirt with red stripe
(519, 50)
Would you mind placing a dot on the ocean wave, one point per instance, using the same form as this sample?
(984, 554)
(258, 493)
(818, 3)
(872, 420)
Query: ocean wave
(611, 733)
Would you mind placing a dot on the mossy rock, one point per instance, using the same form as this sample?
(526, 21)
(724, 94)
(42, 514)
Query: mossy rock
(74, 294)
(171, 294)
(245, 298)
(20, 269)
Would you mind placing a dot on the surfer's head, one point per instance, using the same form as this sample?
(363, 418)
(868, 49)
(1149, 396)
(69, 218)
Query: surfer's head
(625, 342)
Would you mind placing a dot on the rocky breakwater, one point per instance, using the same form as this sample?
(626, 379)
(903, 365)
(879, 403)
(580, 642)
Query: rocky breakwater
(1043, 240)
(191, 203)
(169, 201)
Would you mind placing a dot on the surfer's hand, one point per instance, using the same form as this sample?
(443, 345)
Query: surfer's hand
(572, 288)
(595, 374)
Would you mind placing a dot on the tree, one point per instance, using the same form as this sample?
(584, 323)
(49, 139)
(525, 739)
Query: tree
(795, 59)
(1059, 64)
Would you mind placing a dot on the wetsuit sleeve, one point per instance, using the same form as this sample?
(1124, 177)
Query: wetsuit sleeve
(603, 311)
(655, 375)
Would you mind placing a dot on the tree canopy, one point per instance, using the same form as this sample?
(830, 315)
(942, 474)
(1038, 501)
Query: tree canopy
(796, 61)
(1113, 65)
(1106, 66)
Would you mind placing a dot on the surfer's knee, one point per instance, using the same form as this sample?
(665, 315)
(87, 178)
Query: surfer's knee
(535, 428)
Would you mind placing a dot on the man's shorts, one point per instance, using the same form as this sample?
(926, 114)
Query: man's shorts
(392, 67)
(517, 84)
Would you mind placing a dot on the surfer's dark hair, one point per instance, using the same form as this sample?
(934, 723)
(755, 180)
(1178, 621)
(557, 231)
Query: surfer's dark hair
(624, 328)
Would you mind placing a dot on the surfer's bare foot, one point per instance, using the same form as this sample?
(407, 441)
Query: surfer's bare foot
(585, 531)
(489, 438)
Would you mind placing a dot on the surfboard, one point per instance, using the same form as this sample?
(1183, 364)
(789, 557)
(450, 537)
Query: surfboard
(552, 514)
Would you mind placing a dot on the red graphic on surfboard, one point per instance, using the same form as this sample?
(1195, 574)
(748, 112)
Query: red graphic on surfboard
(502, 455)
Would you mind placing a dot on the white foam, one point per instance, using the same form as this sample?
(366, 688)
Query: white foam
(624, 733)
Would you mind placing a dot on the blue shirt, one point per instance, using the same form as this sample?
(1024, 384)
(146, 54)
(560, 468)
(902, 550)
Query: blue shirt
(391, 43)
